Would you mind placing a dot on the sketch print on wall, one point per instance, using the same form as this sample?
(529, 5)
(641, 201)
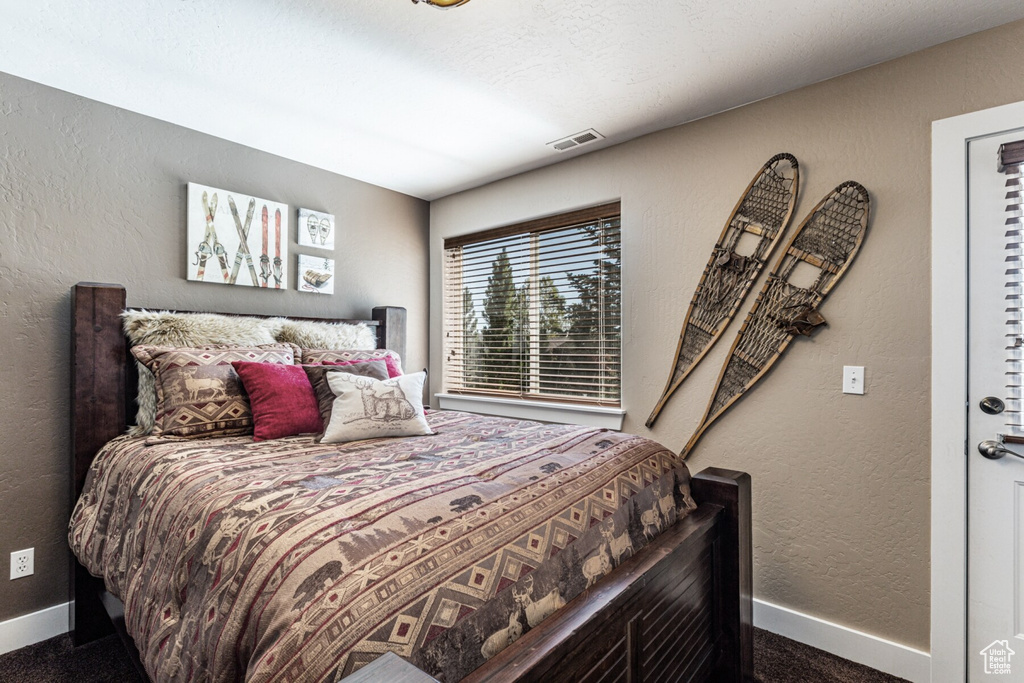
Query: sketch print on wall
(224, 246)
(316, 229)
(316, 274)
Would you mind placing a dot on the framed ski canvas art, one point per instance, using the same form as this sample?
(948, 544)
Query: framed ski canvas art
(235, 239)
(316, 229)
(316, 274)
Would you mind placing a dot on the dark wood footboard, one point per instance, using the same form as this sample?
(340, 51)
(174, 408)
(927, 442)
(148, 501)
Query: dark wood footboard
(731, 490)
(680, 610)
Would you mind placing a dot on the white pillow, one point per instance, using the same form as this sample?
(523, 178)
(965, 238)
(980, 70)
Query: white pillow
(366, 408)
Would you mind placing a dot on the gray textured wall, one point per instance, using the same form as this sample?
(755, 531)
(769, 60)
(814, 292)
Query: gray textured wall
(91, 192)
(841, 483)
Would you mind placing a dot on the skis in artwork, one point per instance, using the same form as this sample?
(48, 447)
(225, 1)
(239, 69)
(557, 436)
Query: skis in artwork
(278, 261)
(215, 230)
(265, 257)
(823, 246)
(210, 245)
(243, 241)
(751, 233)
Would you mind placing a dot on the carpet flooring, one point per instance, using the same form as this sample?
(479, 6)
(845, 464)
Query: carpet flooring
(776, 660)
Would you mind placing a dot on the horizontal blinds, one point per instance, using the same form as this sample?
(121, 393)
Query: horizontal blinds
(1011, 158)
(535, 313)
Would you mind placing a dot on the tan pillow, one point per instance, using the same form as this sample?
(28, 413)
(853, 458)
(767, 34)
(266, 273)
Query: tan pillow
(318, 378)
(164, 328)
(367, 408)
(198, 393)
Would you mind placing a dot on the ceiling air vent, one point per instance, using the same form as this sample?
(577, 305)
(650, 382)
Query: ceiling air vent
(577, 139)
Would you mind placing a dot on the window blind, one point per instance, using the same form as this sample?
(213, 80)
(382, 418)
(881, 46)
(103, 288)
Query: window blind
(533, 310)
(1011, 162)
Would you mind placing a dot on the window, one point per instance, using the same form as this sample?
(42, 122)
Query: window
(533, 311)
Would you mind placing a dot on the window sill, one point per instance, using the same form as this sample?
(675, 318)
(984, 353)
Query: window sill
(565, 413)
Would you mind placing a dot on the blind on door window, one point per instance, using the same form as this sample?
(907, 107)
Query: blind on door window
(532, 311)
(1011, 162)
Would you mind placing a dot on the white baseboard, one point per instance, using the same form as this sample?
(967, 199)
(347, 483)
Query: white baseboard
(32, 628)
(878, 653)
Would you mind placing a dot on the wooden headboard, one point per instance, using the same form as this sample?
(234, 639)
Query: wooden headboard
(104, 378)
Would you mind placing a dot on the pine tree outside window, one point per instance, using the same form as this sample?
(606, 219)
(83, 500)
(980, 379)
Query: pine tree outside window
(533, 311)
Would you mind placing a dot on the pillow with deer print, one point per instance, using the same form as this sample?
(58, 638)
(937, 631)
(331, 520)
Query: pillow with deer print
(367, 408)
(198, 393)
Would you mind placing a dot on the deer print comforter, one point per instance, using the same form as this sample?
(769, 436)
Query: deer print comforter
(288, 560)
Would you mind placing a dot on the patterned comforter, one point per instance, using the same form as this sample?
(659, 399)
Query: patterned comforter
(288, 560)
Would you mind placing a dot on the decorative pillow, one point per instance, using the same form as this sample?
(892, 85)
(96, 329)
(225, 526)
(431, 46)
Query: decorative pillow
(314, 335)
(317, 375)
(197, 391)
(341, 357)
(367, 408)
(281, 399)
(163, 328)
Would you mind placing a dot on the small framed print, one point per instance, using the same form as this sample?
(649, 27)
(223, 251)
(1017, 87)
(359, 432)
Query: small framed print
(316, 274)
(316, 229)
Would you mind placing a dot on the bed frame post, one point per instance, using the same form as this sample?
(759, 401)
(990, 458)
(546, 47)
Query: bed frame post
(97, 416)
(733, 571)
(391, 332)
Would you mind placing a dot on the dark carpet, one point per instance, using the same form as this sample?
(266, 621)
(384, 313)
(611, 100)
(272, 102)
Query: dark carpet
(781, 659)
(776, 659)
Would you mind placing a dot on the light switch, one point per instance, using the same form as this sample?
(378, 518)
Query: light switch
(853, 379)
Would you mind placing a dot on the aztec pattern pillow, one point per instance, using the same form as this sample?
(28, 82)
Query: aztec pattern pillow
(344, 356)
(367, 408)
(163, 328)
(324, 396)
(314, 335)
(198, 393)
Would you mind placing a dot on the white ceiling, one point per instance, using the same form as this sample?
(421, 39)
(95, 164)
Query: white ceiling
(429, 102)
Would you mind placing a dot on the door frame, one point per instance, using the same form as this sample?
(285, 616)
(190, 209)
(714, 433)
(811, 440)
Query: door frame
(949, 447)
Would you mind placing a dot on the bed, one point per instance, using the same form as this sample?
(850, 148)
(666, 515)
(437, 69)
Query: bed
(640, 606)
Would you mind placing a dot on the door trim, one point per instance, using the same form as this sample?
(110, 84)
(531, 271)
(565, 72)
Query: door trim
(949, 448)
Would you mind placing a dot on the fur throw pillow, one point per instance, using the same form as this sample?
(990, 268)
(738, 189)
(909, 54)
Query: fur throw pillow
(314, 335)
(163, 328)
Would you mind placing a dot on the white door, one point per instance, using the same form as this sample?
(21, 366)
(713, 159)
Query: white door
(995, 487)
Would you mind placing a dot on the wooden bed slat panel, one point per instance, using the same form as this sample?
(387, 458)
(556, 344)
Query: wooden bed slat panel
(391, 331)
(97, 372)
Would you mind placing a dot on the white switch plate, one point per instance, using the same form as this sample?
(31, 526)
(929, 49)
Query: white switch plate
(853, 379)
(22, 563)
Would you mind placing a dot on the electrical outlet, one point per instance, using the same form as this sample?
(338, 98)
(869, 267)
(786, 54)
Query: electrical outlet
(22, 563)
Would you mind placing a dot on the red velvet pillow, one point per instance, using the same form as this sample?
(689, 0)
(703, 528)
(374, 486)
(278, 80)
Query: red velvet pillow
(393, 368)
(281, 398)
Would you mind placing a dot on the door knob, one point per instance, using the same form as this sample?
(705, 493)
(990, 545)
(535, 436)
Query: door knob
(993, 450)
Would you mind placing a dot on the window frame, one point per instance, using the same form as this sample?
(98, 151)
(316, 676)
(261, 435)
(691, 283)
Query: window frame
(554, 408)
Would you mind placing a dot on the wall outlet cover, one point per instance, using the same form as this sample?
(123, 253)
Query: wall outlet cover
(22, 563)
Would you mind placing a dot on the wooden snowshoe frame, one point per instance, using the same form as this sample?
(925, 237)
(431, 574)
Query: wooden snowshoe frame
(828, 239)
(764, 210)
